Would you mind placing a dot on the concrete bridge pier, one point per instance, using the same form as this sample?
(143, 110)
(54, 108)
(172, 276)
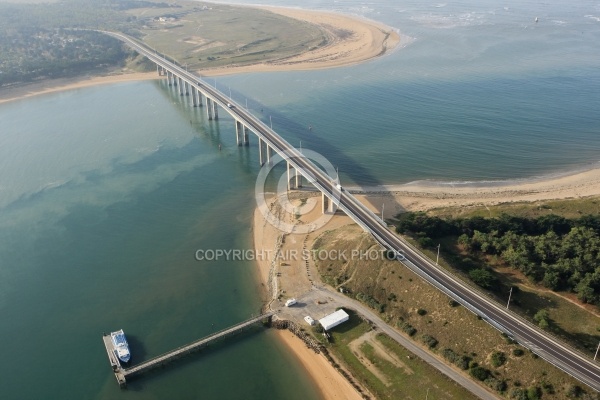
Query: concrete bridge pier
(269, 153)
(290, 170)
(194, 96)
(169, 78)
(327, 205)
(174, 79)
(209, 109)
(187, 86)
(246, 140)
(261, 157)
(239, 127)
(215, 108)
(298, 180)
(180, 86)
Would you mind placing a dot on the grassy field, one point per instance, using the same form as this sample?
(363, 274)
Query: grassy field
(566, 208)
(205, 35)
(387, 369)
(574, 322)
(407, 300)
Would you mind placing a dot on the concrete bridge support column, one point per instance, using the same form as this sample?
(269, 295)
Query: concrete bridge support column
(175, 79)
(323, 204)
(199, 97)
(261, 157)
(194, 96)
(289, 180)
(209, 109)
(215, 107)
(332, 208)
(298, 179)
(245, 138)
(239, 127)
(187, 87)
(180, 86)
(169, 78)
(269, 154)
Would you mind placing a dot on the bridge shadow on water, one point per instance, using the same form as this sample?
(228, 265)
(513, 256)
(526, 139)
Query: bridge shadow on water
(291, 130)
(312, 139)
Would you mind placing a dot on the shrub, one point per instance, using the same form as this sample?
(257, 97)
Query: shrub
(496, 384)
(421, 312)
(518, 352)
(534, 393)
(429, 340)
(482, 277)
(498, 358)
(407, 328)
(370, 301)
(547, 387)
(461, 362)
(479, 373)
(453, 303)
(518, 394)
(574, 391)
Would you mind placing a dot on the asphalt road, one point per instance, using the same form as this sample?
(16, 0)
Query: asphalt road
(572, 362)
(339, 300)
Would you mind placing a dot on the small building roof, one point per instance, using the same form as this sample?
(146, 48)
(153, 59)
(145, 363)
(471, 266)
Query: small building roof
(333, 320)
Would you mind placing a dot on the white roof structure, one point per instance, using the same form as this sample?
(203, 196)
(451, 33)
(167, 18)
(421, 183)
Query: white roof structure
(333, 320)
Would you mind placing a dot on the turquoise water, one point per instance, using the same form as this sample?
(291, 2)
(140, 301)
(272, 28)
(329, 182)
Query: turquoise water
(102, 212)
(107, 192)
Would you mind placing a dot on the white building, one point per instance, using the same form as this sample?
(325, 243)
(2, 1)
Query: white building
(333, 320)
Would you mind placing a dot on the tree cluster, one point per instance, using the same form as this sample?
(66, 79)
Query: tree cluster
(561, 254)
(47, 40)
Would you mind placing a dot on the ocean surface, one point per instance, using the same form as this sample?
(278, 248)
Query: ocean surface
(107, 192)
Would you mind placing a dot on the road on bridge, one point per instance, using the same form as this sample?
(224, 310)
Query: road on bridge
(579, 366)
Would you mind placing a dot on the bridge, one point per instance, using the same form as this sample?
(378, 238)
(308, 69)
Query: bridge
(123, 373)
(543, 344)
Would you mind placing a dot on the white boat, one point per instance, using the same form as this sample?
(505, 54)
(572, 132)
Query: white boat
(121, 346)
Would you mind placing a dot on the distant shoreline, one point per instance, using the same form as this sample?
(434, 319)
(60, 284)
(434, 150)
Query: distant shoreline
(366, 40)
(423, 195)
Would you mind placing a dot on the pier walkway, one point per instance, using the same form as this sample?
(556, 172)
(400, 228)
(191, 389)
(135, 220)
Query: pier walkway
(123, 373)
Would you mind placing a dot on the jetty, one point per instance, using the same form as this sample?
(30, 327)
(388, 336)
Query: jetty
(121, 374)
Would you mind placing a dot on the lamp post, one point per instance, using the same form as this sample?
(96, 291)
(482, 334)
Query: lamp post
(508, 304)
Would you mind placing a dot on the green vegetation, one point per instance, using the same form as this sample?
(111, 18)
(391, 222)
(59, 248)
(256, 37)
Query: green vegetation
(41, 41)
(559, 253)
(385, 368)
(48, 40)
(498, 358)
(463, 339)
(429, 340)
(370, 301)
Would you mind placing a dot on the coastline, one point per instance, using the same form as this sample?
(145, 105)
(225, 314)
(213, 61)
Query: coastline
(422, 196)
(269, 240)
(363, 40)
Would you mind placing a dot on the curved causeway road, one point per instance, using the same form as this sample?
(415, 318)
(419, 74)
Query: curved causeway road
(579, 366)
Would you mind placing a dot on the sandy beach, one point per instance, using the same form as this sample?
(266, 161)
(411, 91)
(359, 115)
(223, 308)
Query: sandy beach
(423, 196)
(351, 40)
